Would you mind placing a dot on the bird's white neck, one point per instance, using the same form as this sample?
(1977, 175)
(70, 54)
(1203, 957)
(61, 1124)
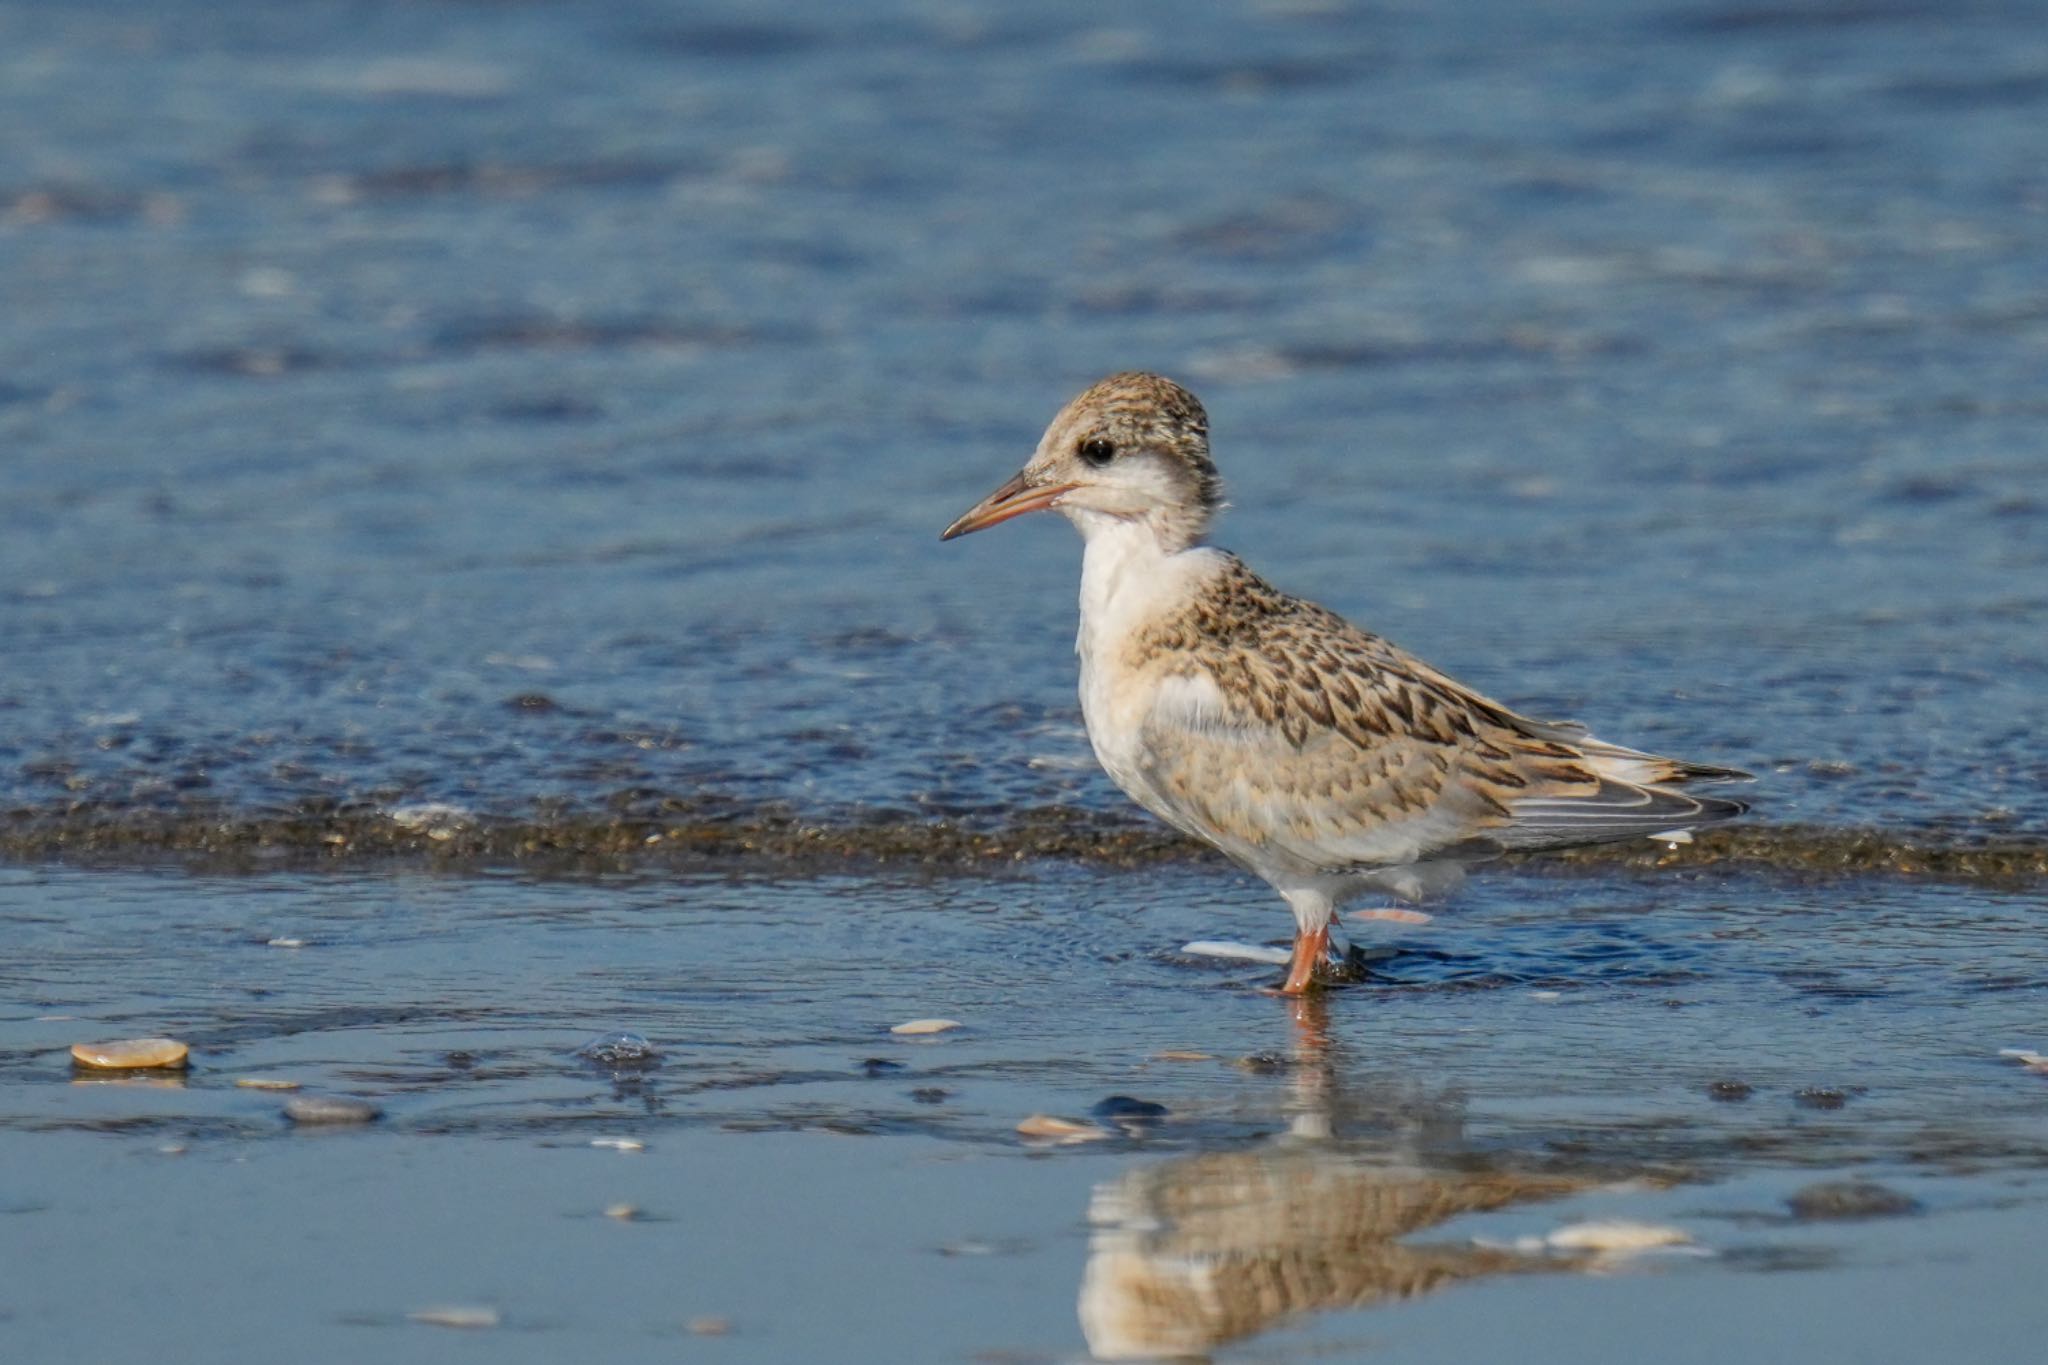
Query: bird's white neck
(1130, 575)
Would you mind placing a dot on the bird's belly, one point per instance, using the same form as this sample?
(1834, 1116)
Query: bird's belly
(1117, 708)
(1115, 716)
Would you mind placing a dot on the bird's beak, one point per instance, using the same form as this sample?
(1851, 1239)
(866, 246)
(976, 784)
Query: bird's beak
(1013, 499)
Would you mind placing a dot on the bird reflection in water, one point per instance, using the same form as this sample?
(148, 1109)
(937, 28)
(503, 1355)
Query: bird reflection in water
(1192, 1253)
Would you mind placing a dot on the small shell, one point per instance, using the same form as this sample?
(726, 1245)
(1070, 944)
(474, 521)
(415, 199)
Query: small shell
(1388, 915)
(471, 1316)
(332, 1109)
(1616, 1237)
(1231, 951)
(132, 1054)
(927, 1026)
(264, 1083)
(1059, 1130)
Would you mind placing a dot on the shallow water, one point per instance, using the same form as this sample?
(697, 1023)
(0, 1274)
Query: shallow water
(399, 402)
(494, 455)
(1686, 1052)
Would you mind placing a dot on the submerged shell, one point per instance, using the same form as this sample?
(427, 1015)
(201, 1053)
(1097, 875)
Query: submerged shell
(330, 1109)
(1059, 1129)
(926, 1026)
(1616, 1237)
(130, 1054)
(470, 1316)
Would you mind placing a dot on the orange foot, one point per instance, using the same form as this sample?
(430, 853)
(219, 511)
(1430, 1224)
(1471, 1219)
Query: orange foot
(1309, 949)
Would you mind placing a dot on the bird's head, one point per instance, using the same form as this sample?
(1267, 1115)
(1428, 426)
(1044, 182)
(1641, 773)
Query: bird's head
(1131, 448)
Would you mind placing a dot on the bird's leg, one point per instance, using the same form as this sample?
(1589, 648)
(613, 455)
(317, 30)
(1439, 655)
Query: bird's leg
(1310, 947)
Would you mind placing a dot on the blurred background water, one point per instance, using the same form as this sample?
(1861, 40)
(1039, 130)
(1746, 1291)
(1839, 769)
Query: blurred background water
(484, 403)
(542, 409)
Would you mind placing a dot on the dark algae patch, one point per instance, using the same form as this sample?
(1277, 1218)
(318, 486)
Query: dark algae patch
(676, 831)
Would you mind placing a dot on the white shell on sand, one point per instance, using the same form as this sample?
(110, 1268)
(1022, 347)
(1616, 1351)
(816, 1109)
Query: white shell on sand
(926, 1026)
(131, 1054)
(1616, 1237)
(1053, 1128)
(468, 1315)
(1237, 952)
(330, 1109)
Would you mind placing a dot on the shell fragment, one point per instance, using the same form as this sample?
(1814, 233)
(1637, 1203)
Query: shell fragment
(1049, 1127)
(132, 1054)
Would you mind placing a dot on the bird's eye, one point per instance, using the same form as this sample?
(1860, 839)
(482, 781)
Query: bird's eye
(1097, 451)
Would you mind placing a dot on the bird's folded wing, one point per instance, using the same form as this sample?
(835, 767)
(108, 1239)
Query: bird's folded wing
(1330, 744)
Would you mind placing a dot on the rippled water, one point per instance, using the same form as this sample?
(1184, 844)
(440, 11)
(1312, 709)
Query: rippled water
(425, 419)
(494, 407)
(1689, 1054)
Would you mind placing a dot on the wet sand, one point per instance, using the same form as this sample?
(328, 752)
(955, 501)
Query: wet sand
(681, 834)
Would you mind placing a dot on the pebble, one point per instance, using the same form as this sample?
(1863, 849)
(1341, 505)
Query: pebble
(1820, 1097)
(931, 1094)
(1730, 1092)
(471, 1316)
(619, 1048)
(710, 1325)
(915, 1026)
(132, 1054)
(618, 1144)
(1060, 1130)
(1127, 1112)
(330, 1109)
(264, 1083)
(1615, 1237)
(1849, 1199)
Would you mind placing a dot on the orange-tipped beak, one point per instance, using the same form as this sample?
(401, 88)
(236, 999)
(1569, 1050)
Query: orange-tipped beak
(1013, 499)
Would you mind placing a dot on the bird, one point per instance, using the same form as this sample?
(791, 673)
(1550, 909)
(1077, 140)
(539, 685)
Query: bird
(1321, 757)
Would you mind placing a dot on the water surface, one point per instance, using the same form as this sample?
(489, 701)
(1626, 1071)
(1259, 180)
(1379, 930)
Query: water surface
(469, 485)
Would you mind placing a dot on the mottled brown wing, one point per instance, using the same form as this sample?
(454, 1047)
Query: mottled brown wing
(1292, 731)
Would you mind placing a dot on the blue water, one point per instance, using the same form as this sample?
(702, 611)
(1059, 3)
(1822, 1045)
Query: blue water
(368, 368)
(551, 409)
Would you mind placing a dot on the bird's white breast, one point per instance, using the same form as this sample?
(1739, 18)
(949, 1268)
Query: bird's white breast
(1129, 582)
